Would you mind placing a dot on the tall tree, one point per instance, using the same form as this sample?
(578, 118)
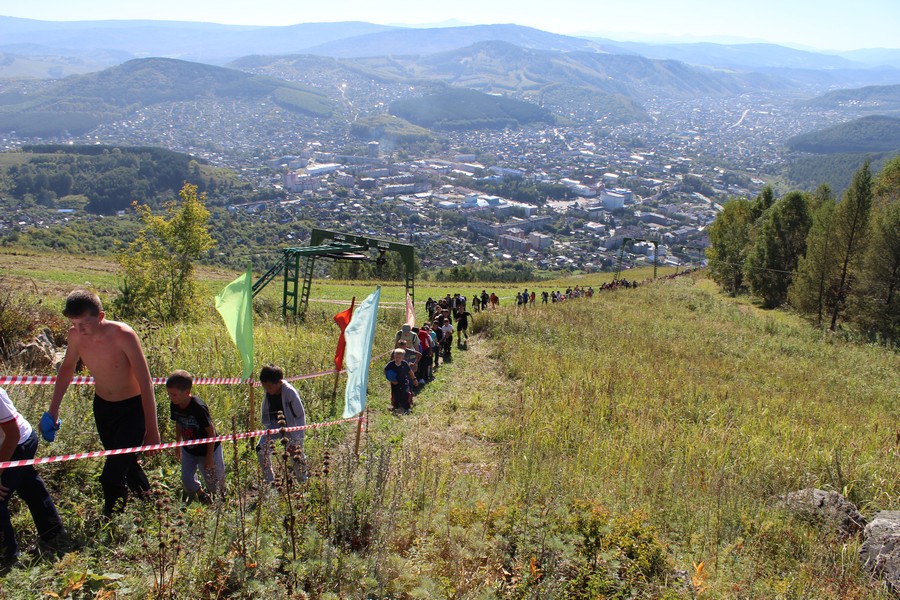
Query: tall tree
(729, 237)
(159, 264)
(779, 243)
(851, 222)
(812, 290)
(877, 297)
(764, 201)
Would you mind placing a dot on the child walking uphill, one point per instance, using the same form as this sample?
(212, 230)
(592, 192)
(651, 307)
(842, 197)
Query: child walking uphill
(400, 374)
(193, 422)
(281, 401)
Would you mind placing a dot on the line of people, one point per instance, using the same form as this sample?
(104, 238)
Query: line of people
(419, 351)
(458, 303)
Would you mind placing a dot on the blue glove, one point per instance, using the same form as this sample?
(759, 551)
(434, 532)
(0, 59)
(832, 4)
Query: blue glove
(48, 427)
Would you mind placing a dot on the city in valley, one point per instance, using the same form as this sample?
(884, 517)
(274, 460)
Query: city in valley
(570, 194)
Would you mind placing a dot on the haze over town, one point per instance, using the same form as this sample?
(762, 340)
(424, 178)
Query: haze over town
(819, 24)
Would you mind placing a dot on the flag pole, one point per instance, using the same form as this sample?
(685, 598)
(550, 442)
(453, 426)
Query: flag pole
(337, 378)
(359, 425)
(252, 406)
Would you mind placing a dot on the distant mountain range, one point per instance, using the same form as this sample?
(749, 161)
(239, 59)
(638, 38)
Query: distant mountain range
(612, 85)
(419, 42)
(201, 42)
(558, 75)
(105, 43)
(80, 103)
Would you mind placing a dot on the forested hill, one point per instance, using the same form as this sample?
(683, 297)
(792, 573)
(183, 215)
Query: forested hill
(105, 179)
(80, 103)
(869, 134)
(883, 98)
(467, 109)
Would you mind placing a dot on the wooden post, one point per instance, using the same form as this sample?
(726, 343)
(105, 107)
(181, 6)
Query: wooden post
(252, 419)
(358, 432)
(337, 379)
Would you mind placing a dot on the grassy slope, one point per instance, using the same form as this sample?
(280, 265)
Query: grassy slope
(698, 410)
(670, 400)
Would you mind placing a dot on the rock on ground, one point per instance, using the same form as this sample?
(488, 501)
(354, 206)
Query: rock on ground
(829, 508)
(880, 552)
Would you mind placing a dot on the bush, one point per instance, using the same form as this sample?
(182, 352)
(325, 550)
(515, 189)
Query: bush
(22, 319)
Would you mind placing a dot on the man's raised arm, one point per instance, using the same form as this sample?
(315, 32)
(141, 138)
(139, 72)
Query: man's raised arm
(65, 374)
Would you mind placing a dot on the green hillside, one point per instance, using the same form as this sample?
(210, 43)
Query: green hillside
(79, 103)
(874, 97)
(836, 170)
(108, 178)
(390, 128)
(871, 134)
(14, 66)
(467, 109)
(627, 446)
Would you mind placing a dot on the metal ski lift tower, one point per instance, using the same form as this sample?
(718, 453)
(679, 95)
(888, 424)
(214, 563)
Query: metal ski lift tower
(622, 251)
(334, 245)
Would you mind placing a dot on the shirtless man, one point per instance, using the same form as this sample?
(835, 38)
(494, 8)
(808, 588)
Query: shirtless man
(124, 404)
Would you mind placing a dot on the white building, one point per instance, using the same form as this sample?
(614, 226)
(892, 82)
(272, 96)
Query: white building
(612, 200)
(322, 169)
(539, 241)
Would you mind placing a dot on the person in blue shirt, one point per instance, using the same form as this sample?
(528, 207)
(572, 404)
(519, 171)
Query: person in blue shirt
(400, 374)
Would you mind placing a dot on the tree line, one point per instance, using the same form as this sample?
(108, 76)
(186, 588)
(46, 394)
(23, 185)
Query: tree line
(837, 262)
(109, 177)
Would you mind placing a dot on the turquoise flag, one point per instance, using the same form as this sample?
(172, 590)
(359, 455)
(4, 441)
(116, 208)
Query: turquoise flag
(359, 336)
(235, 304)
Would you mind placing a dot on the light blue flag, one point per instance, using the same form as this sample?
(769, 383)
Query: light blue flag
(359, 335)
(235, 304)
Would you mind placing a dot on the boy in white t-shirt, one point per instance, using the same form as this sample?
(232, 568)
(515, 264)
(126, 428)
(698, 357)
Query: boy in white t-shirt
(20, 443)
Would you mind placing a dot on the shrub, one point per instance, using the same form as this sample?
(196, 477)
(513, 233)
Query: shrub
(20, 321)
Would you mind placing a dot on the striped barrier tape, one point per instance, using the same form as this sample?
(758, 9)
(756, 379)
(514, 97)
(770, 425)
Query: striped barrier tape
(393, 305)
(80, 380)
(46, 380)
(153, 447)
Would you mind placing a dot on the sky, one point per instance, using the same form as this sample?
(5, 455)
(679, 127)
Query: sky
(813, 24)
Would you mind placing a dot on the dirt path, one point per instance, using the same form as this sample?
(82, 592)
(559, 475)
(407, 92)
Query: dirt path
(455, 420)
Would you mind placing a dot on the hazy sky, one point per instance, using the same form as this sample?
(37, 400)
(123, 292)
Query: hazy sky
(822, 24)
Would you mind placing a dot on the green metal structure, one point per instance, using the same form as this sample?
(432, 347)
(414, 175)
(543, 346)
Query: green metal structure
(622, 251)
(328, 244)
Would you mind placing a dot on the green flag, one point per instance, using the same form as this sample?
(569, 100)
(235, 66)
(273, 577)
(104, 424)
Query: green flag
(359, 335)
(235, 304)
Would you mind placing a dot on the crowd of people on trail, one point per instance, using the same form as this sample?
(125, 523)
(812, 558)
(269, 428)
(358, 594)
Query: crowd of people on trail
(418, 351)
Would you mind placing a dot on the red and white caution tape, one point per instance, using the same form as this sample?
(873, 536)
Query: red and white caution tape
(80, 380)
(152, 447)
